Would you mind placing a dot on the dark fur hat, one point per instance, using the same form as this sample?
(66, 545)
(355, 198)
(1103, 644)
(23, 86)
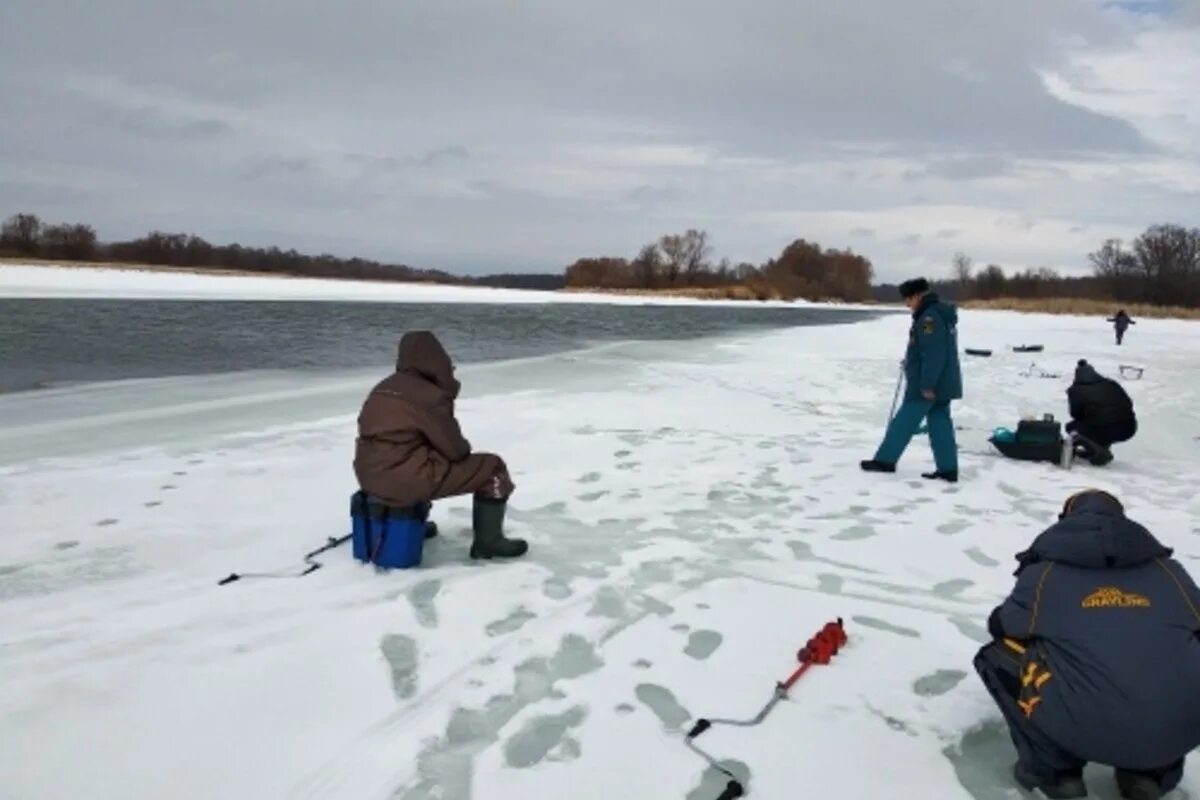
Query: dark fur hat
(913, 287)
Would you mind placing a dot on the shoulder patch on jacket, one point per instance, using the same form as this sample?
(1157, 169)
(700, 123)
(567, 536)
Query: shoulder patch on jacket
(927, 325)
(1112, 597)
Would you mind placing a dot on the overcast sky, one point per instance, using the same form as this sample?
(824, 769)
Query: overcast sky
(489, 135)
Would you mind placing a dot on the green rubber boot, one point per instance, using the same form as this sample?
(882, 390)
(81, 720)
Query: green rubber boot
(487, 521)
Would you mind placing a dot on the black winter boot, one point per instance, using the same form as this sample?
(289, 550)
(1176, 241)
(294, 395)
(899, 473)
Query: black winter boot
(1136, 786)
(1061, 787)
(423, 510)
(876, 466)
(948, 477)
(487, 520)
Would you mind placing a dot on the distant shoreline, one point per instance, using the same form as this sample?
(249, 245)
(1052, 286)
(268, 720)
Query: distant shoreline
(126, 266)
(733, 295)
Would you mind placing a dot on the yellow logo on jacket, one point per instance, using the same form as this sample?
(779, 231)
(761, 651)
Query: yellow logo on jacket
(1112, 597)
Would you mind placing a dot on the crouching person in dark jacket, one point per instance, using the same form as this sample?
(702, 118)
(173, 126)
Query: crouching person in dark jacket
(1097, 655)
(1101, 414)
(411, 451)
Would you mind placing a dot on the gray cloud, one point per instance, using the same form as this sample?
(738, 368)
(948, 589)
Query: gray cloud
(585, 123)
(965, 168)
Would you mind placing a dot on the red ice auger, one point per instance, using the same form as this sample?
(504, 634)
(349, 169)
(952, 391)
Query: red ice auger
(820, 649)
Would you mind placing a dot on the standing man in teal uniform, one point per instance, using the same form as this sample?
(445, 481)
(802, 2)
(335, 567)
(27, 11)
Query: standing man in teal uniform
(933, 379)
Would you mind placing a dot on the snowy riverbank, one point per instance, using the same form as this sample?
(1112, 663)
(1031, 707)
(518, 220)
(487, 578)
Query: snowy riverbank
(695, 511)
(39, 280)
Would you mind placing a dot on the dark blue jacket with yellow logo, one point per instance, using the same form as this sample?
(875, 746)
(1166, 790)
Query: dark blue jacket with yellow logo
(932, 358)
(1107, 626)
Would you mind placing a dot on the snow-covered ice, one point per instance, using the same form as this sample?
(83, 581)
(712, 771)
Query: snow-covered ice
(35, 280)
(695, 512)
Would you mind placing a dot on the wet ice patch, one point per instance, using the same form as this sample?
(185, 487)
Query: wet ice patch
(539, 736)
(982, 761)
(714, 781)
(608, 603)
(444, 766)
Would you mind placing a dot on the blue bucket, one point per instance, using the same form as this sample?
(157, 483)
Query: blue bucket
(389, 537)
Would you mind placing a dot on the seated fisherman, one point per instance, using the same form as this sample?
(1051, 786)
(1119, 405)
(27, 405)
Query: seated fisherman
(1101, 414)
(411, 451)
(1097, 655)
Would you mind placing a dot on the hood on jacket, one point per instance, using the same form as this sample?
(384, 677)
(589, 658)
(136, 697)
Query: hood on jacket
(1086, 373)
(1094, 533)
(422, 354)
(934, 304)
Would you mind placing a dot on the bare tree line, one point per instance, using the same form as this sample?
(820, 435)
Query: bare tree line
(683, 261)
(1160, 267)
(26, 236)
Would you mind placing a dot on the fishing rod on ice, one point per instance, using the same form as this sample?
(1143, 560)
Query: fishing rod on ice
(309, 568)
(820, 649)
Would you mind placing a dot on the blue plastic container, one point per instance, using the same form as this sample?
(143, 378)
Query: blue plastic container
(1003, 435)
(388, 537)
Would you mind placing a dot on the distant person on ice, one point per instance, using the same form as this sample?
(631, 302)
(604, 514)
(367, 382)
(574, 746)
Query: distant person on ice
(933, 379)
(1121, 323)
(411, 451)
(1097, 655)
(1101, 414)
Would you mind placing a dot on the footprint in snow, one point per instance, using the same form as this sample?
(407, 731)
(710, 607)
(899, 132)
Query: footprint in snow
(590, 477)
(67, 545)
(830, 584)
(952, 588)
(981, 558)
(855, 532)
(513, 622)
(104, 523)
(938, 683)
(422, 598)
(971, 629)
(954, 526)
(702, 644)
(591, 497)
(556, 589)
(153, 504)
(882, 625)
(529, 746)
(662, 702)
(400, 652)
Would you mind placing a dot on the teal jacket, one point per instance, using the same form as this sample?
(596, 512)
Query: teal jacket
(932, 358)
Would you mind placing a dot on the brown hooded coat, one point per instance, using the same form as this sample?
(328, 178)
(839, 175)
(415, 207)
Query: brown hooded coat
(410, 448)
